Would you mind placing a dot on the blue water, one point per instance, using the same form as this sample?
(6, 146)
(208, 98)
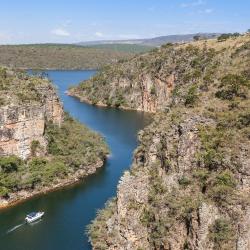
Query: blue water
(68, 211)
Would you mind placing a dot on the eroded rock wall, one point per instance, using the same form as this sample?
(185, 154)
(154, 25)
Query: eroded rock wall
(22, 124)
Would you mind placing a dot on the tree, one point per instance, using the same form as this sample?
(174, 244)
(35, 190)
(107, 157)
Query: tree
(197, 38)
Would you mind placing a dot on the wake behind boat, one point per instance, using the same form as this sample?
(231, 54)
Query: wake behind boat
(34, 216)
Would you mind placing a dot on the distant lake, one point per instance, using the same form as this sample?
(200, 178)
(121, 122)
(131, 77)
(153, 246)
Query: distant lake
(70, 210)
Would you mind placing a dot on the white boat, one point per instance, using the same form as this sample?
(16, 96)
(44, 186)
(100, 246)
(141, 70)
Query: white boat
(34, 216)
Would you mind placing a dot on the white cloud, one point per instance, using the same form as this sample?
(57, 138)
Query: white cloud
(193, 4)
(206, 11)
(60, 32)
(99, 34)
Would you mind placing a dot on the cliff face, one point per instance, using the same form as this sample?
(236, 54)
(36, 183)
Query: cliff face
(150, 82)
(22, 124)
(171, 200)
(41, 148)
(189, 184)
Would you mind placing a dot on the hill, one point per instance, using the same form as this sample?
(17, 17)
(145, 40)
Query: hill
(122, 47)
(189, 184)
(56, 56)
(153, 42)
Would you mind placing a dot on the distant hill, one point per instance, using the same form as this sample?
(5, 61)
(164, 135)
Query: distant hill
(123, 47)
(84, 55)
(59, 56)
(157, 41)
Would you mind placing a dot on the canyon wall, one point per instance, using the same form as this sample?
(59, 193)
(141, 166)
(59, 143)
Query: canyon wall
(22, 124)
(189, 184)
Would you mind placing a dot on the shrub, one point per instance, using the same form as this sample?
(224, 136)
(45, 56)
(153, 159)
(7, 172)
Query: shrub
(10, 164)
(97, 229)
(147, 216)
(211, 154)
(197, 38)
(184, 181)
(224, 37)
(222, 188)
(34, 146)
(167, 45)
(4, 191)
(191, 96)
(153, 90)
(225, 178)
(232, 86)
(244, 120)
(221, 233)
(54, 169)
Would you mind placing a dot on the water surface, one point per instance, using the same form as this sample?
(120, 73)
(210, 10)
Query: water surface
(68, 211)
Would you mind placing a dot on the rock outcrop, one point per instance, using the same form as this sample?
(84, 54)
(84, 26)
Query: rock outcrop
(188, 187)
(20, 125)
(41, 147)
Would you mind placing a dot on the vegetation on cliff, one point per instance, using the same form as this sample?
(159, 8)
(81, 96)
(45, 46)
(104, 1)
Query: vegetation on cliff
(53, 56)
(188, 187)
(151, 81)
(17, 88)
(71, 150)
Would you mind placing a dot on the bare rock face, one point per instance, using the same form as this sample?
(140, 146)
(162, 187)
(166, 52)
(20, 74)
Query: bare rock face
(154, 211)
(22, 124)
(189, 185)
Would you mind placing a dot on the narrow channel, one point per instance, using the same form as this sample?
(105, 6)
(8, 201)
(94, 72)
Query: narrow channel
(70, 210)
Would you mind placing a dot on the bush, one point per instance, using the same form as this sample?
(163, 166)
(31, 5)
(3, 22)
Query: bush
(222, 233)
(153, 90)
(83, 148)
(232, 86)
(147, 216)
(223, 186)
(54, 169)
(191, 96)
(10, 164)
(224, 37)
(34, 146)
(184, 181)
(4, 191)
(211, 154)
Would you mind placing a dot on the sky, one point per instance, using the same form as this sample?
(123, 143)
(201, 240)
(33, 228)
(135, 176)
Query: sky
(70, 21)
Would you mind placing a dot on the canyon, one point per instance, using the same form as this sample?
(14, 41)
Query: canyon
(34, 156)
(188, 187)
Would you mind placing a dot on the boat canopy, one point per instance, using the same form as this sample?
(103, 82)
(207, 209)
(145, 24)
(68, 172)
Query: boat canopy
(33, 214)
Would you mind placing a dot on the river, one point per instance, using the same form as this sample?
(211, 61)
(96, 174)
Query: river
(68, 211)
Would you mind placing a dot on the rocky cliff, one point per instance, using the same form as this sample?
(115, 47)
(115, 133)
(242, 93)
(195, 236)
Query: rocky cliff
(189, 184)
(23, 124)
(150, 82)
(37, 138)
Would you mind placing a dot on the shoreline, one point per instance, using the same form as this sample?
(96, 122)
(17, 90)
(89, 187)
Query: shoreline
(24, 195)
(82, 99)
(65, 69)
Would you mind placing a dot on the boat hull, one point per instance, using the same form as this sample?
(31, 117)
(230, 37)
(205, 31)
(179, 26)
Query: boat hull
(35, 218)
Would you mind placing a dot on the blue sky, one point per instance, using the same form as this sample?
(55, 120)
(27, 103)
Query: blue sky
(40, 21)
